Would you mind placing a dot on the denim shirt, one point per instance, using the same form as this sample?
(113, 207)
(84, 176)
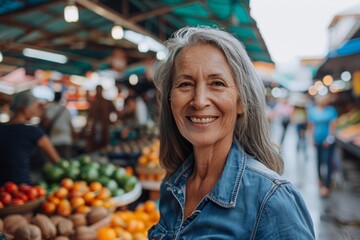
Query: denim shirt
(249, 201)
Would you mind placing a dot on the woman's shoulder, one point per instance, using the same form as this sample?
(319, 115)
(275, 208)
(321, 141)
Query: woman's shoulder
(254, 166)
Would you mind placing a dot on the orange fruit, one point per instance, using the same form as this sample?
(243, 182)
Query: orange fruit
(96, 186)
(129, 171)
(104, 194)
(135, 226)
(64, 203)
(61, 193)
(117, 221)
(89, 197)
(108, 203)
(76, 193)
(67, 183)
(64, 211)
(97, 203)
(77, 202)
(83, 209)
(106, 233)
(53, 199)
(48, 207)
(155, 216)
(149, 206)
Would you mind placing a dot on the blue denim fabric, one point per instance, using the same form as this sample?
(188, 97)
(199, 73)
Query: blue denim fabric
(248, 202)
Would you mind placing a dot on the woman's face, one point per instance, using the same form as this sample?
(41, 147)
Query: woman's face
(204, 96)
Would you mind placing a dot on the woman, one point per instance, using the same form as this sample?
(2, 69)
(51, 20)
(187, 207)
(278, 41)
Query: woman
(322, 126)
(222, 169)
(18, 140)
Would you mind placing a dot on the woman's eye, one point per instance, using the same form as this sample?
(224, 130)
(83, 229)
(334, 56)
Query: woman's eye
(184, 84)
(218, 83)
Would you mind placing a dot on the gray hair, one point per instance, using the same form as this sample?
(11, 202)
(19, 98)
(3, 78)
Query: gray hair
(22, 100)
(251, 130)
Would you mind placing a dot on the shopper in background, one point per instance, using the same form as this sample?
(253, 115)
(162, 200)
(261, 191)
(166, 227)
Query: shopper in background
(56, 122)
(322, 127)
(18, 140)
(299, 118)
(283, 111)
(222, 178)
(99, 120)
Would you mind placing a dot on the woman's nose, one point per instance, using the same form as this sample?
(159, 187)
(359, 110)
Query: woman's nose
(200, 98)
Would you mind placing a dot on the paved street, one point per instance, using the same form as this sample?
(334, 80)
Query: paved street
(338, 216)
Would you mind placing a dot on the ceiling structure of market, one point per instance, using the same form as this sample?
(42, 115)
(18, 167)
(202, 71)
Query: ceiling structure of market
(88, 44)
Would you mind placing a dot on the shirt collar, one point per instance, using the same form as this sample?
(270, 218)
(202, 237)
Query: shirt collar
(226, 189)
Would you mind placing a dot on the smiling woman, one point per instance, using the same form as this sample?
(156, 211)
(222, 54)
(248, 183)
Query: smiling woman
(216, 147)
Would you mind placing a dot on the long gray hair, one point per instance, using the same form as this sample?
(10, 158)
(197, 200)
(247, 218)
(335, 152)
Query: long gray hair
(251, 130)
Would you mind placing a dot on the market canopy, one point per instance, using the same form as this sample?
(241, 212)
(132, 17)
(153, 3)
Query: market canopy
(87, 44)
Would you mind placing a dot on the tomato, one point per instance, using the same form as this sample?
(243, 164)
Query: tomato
(1, 205)
(11, 187)
(5, 198)
(41, 191)
(22, 196)
(32, 193)
(24, 187)
(17, 201)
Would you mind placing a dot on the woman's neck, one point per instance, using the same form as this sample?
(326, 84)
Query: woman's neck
(210, 161)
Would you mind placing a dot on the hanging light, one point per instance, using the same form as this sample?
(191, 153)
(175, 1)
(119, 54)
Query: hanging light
(117, 32)
(1, 57)
(71, 12)
(143, 47)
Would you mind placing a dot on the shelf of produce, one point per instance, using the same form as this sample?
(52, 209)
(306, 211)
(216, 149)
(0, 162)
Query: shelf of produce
(350, 147)
(129, 197)
(151, 185)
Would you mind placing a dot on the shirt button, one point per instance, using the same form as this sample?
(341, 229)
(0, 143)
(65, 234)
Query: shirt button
(179, 191)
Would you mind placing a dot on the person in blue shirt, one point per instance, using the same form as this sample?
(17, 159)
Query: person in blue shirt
(222, 169)
(322, 118)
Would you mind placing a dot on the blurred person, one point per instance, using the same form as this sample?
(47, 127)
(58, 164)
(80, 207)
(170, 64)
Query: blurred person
(98, 121)
(283, 111)
(322, 119)
(56, 122)
(299, 118)
(18, 140)
(216, 147)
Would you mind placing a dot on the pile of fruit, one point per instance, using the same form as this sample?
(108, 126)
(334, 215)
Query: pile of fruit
(117, 179)
(77, 197)
(12, 194)
(40, 226)
(131, 225)
(149, 168)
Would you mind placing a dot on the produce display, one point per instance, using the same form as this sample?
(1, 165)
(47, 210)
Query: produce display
(117, 179)
(77, 197)
(12, 194)
(37, 227)
(348, 119)
(148, 168)
(131, 225)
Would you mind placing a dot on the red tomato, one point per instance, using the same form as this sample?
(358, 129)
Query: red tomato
(17, 201)
(11, 187)
(5, 198)
(22, 196)
(32, 193)
(1, 205)
(24, 187)
(41, 191)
